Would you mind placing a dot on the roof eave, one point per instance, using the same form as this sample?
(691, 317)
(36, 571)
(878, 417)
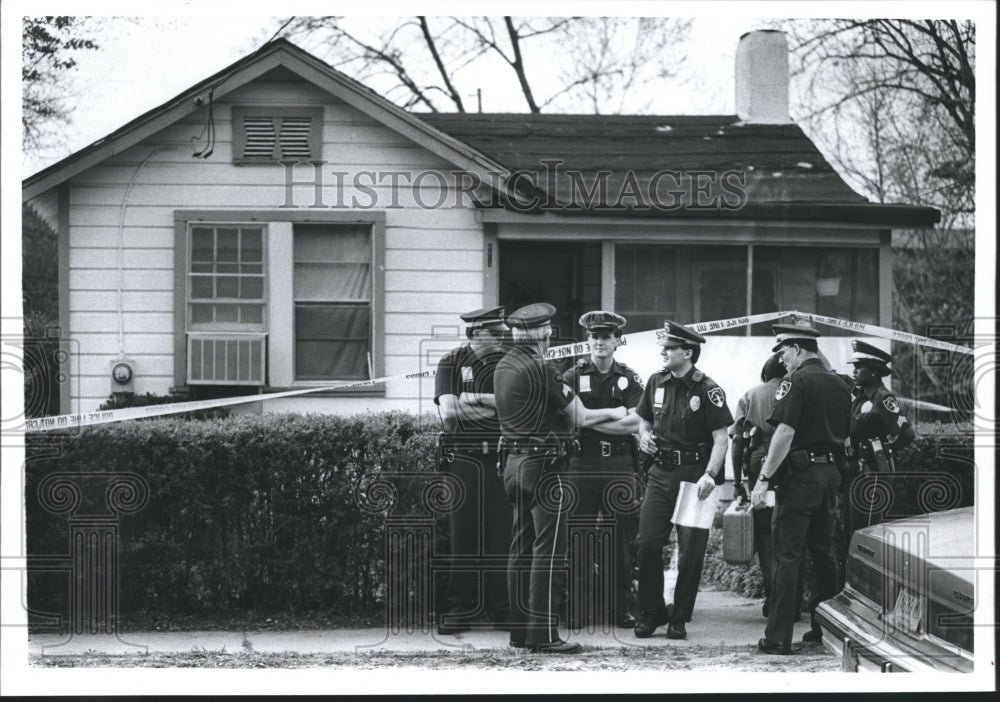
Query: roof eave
(867, 214)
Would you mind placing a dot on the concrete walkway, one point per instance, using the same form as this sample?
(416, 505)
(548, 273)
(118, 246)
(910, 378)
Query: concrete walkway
(721, 620)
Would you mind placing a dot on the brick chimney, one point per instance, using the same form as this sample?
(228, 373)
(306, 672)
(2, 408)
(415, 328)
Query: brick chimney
(762, 77)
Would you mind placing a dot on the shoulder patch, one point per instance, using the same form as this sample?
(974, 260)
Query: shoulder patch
(891, 404)
(717, 396)
(783, 389)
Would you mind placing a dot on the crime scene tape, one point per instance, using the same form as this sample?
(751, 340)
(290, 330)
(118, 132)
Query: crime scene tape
(71, 421)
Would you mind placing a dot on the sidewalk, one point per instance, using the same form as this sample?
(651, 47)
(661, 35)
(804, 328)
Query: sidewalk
(721, 620)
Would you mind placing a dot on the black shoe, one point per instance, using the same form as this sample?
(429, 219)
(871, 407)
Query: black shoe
(812, 636)
(625, 620)
(650, 621)
(676, 630)
(768, 646)
(557, 646)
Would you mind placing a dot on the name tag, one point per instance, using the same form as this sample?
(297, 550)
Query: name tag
(466, 374)
(584, 383)
(658, 397)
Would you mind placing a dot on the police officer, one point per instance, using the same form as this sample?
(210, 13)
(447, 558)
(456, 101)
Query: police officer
(684, 422)
(878, 429)
(533, 404)
(479, 528)
(811, 417)
(603, 472)
(751, 434)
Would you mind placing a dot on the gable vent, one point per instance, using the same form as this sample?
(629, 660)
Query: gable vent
(272, 135)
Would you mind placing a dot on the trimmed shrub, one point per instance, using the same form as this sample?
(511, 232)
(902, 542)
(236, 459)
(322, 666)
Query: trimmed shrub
(272, 513)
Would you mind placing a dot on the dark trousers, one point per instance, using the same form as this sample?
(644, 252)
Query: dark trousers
(603, 486)
(762, 543)
(479, 539)
(804, 517)
(536, 567)
(863, 499)
(662, 487)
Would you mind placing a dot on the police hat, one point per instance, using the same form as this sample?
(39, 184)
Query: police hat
(602, 322)
(486, 317)
(790, 333)
(674, 335)
(866, 354)
(537, 314)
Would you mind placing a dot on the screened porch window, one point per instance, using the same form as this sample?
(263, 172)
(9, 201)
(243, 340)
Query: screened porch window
(689, 284)
(332, 280)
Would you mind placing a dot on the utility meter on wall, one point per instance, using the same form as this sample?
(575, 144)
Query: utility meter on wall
(122, 376)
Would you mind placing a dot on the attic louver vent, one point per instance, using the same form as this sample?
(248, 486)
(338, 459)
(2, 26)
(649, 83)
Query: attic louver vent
(292, 137)
(263, 134)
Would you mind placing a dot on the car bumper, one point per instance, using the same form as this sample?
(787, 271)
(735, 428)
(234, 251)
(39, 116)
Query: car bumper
(853, 631)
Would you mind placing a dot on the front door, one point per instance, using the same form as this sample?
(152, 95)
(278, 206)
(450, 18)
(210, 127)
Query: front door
(566, 275)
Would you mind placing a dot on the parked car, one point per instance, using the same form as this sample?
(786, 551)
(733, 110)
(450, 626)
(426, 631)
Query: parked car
(909, 597)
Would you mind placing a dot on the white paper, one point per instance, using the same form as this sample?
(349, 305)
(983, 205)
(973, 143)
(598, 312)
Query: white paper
(689, 511)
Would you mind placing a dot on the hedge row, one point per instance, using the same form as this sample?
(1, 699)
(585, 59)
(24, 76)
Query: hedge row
(314, 515)
(246, 514)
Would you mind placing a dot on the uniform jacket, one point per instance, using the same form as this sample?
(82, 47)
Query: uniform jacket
(621, 387)
(684, 411)
(462, 370)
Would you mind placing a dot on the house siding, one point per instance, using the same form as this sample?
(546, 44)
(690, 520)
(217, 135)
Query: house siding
(426, 250)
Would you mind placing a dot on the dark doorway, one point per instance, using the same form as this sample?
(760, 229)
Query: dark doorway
(566, 275)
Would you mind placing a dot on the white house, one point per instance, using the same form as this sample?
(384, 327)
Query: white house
(279, 226)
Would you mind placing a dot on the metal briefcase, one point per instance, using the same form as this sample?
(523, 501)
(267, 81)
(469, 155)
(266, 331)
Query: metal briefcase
(737, 533)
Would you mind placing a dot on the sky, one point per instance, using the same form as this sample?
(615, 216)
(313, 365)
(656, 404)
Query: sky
(144, 61)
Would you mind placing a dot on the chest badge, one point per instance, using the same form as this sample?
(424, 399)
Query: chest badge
(783, 389)
(658, 397)
(584, 383)
(890, 404)
(866, 407)
(695, 403)
(622, 382)
(717, 397)
(466, 374)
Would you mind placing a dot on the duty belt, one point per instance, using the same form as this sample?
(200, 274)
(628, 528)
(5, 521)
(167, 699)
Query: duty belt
(671, 458)
(605, 448)
(527, 446)
(449, 447)
(820, 456)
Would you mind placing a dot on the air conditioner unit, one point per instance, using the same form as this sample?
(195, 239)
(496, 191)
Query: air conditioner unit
(226, 359)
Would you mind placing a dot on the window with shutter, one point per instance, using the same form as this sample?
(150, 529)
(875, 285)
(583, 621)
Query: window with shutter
(269, 134)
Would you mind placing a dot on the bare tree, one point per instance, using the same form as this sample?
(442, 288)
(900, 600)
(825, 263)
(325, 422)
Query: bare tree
(893, 103)
(49, 49)
(554, 63)
(921, 74)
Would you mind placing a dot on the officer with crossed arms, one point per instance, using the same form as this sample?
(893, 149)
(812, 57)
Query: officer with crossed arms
(603, 477)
